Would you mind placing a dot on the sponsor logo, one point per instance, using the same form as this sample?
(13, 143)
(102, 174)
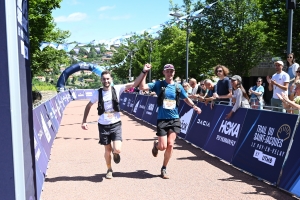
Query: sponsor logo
(284, 132)
(88, 94)
(185, 121)
(136, 106)
(83, 65)
(203, 123)
(230, 128)
(150, 107)
(264, 158)
(142, 106)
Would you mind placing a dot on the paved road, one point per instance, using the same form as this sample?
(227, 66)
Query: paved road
(77, 167)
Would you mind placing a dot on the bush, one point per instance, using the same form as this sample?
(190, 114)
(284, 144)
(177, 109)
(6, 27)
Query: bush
(42, 86)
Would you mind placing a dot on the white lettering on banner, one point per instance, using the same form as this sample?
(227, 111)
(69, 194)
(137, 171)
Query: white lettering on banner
(264, 139)
(40, 134)
(136, 106)
(58, 108)
(80, 95)
(45, 128)
(264, 158)
(230, 128)
(83, 65)
(88, 94)
(185, 121)
(226, 140)
(142, 106)
(131, 105)
(35, 143)
(150, 106)
(37, 155)
(203, 123)
(148, 113)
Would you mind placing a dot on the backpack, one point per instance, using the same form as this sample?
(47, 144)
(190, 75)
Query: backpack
(115, 102)
(162, 94)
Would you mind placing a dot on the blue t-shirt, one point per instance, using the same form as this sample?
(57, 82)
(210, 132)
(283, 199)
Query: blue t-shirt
(170, 93)
(257, 89)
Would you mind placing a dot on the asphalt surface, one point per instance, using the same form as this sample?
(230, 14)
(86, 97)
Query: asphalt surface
(77, 168)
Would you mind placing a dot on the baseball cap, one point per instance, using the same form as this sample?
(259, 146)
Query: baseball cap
(236, 77)
(169, 66)
(279, 62)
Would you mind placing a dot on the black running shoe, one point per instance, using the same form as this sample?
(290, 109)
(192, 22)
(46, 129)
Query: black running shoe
(154, 149)
(116, 158)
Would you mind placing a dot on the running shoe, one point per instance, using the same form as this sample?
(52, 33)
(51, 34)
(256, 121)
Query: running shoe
(109, 174)
(116, 158)
(154, 149)
(164, 174)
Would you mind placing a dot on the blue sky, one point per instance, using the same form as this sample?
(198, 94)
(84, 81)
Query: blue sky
(89, 20)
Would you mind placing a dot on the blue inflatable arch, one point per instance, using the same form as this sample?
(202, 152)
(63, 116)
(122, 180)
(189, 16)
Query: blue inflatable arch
(75, 68)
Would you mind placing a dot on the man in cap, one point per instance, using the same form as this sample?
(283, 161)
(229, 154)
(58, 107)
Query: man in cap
(279, 84)
(168, 121)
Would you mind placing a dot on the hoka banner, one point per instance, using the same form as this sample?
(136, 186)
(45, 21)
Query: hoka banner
(225, 133)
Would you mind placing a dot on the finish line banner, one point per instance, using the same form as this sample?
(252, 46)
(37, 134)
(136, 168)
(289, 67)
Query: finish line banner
(264, 142)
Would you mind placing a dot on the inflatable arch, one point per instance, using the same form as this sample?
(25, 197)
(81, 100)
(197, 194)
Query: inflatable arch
(75, 68)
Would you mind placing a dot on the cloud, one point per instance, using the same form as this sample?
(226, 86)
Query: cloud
(74, 17)
(104, 8)
(118, 17)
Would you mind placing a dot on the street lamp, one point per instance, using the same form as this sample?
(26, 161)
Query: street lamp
(151, 40)
(188, 19)
(131, 54)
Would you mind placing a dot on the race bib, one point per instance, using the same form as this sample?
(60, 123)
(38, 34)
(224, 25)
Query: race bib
(169, 104)
(109, 116)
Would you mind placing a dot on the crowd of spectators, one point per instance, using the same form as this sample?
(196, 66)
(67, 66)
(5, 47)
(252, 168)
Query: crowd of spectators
(229, 90)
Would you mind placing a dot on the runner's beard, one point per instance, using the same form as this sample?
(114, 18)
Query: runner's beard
(106, 85)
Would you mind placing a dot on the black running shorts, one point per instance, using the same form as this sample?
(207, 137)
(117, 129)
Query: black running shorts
(111, 132)
(166, 125)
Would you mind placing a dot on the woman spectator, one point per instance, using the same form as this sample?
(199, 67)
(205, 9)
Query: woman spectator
(240, 97)
(291, 70)
(257, 93)
(292, 103)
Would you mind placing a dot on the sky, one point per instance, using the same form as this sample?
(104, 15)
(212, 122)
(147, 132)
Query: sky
(89, 20)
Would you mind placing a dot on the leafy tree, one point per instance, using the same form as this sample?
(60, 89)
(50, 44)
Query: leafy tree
(42, 29)
(274, 13)
(231, 35)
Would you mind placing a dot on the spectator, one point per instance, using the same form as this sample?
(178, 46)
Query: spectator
(187, 87)
(296, 102)
(291, 70)
(224, 88)
(211, 87)
(240, 97)
(195, 93)
(203, 91)
(278, 83)
(256, 93)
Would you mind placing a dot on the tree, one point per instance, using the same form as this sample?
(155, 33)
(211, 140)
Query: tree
(275, 15)
(42, 29)
(231, 34)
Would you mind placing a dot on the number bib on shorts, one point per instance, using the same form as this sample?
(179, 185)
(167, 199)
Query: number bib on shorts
(109, 115)
(169, 104)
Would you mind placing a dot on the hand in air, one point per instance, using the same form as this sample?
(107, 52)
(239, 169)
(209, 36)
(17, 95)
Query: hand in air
(147, 67)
